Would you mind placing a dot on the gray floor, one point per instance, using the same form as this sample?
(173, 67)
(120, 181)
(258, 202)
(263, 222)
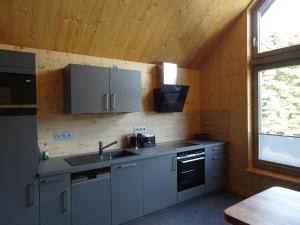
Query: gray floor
(206, 210)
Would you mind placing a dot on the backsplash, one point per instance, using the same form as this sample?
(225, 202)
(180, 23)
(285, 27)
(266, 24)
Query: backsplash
(89, 129)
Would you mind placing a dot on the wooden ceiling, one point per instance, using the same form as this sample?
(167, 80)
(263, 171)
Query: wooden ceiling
(150, 31)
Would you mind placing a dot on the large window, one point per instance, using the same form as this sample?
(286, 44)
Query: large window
(276, 66)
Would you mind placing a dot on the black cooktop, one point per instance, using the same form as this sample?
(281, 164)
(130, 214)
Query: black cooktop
(177, 144)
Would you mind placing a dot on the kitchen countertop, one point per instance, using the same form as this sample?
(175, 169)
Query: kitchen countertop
(58, 165)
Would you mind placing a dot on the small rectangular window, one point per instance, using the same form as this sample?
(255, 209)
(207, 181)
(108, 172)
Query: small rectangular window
(276, 26)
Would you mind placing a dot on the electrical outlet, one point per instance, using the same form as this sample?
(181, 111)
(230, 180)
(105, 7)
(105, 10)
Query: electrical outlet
(69, 135)
(139, 129)
(59, 136)
(56, 136)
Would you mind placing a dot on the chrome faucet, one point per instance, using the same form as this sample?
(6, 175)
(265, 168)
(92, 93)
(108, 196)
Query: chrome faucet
(101, 147)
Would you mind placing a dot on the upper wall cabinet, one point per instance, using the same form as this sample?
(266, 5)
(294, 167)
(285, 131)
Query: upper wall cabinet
(125, 90)
(17, 62)
(91, 89)
(86, 89)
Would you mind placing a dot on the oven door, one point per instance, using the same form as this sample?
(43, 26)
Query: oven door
(191, 172)
(17, 90)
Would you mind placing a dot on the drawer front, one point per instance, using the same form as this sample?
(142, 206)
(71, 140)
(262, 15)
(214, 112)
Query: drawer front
(217, 149)
(50, 182)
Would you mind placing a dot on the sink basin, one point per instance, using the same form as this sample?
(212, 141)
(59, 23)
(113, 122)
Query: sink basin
(118, 154)
(94, 158)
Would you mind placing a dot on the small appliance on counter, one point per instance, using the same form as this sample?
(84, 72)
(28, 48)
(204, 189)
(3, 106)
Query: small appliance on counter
(142, 140)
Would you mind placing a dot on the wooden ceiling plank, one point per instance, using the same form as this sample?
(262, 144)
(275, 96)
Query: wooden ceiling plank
(146, 31)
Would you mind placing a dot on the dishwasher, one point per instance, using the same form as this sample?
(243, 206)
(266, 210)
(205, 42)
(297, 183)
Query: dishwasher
(91, 198)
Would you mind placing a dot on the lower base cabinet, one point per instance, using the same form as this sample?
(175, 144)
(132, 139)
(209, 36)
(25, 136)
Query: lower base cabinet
(55, 200)
(159, 183)
(126, 191)
(122, 192)
(215, 169)
(91, 198)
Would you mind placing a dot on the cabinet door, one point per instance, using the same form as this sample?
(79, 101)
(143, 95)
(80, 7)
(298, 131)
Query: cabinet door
(215, 172)
(88, 90)
(55, 200)
(19, 194)
(125, 90)
(91, 202)
(10, 58)
(126, 190)
(159, 183)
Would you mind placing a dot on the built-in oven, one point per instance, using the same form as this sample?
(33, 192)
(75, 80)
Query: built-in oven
(190, 169)
(17, 90)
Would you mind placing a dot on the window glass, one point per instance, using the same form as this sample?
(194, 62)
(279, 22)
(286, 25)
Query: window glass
(280, 101)
(279, 115)
(279, 25)
(279, 149)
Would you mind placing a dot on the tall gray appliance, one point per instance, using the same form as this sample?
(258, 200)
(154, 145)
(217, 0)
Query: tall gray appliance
(19, 198)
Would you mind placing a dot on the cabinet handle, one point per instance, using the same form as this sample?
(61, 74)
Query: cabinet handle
(174, 163)
(126, 166)
(188, 171)
(64, 201)
(191, 160)
(105, 102)
(113, 102)
(30, 194)
(214, 158)
(51, 181)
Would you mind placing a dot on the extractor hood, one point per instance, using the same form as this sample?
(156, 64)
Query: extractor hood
(170, 97)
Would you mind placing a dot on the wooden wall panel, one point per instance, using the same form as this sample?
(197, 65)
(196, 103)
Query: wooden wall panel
(225, 103)
(88, 130)
(148, 31)
(216, 123)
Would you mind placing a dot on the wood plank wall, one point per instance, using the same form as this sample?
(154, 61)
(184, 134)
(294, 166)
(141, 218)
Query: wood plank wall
(225, 106)
(88, 130)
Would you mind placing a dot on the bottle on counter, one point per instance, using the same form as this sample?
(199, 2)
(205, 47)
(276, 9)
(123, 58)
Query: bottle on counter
(45, 153)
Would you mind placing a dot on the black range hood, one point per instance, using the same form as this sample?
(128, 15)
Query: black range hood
(170, 98)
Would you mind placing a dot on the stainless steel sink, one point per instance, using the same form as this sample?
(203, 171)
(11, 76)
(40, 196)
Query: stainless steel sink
(94, 158)
(118, 154)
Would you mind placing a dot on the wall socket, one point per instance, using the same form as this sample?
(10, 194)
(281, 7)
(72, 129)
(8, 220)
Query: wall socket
(139, 129)
(60, 136)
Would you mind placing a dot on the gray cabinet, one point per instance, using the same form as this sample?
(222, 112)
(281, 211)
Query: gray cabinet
(215, 168)
(86, 89)
(126, 190)
(159, 182)
(55, 200)
(17, 62)
(19, 196)
(91, 198)
(91, 89)
(125, 90)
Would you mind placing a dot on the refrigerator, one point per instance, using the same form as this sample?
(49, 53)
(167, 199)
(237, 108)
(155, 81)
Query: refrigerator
(19, 155)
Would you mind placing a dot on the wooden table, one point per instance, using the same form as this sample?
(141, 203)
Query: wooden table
(274, 206)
